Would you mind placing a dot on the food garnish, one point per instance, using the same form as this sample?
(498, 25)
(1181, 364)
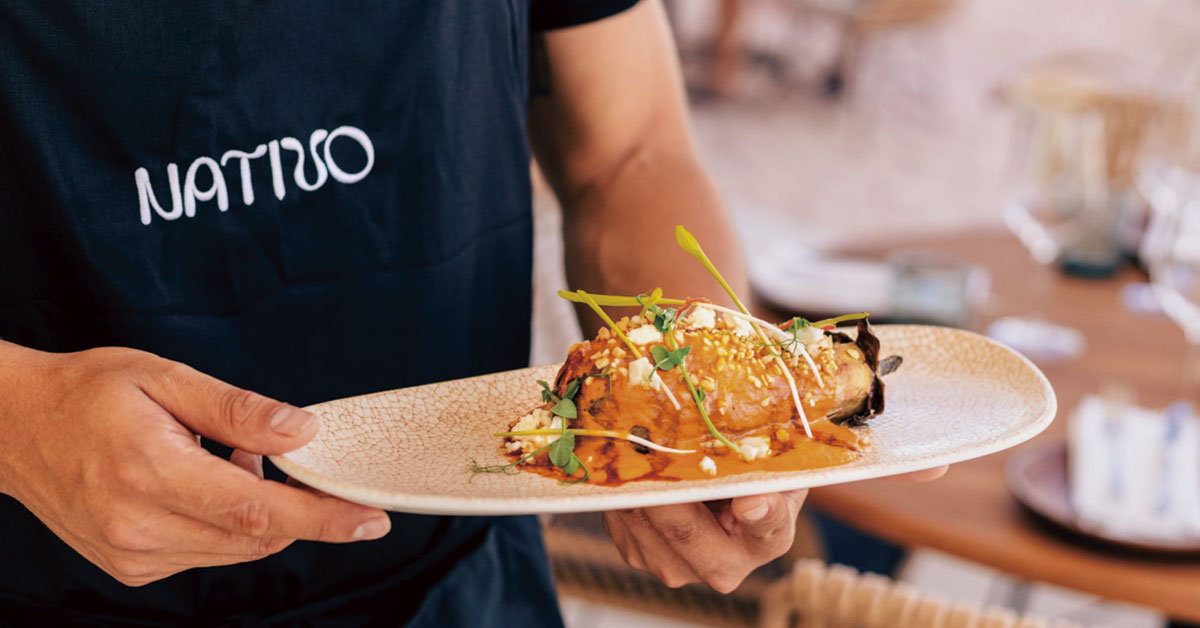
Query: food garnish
(764, 396)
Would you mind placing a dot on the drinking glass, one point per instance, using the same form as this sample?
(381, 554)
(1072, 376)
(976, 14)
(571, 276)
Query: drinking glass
(1066, 186)
(1171, 252)
(1169, 179)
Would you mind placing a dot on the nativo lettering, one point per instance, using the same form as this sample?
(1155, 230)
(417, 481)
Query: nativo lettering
(185, 198)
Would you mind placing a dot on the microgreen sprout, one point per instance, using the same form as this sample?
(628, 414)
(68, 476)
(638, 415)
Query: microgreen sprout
(591, 302)
(505, 468)
(609, 300)
(633, 438)
(689, 244)
(672, 356)
(840, 319)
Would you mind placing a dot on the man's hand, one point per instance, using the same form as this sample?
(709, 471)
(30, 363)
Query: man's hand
(102, 447)
(718, 543)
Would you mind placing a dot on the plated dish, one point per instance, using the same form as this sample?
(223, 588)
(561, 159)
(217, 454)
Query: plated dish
(957, 396)
(688, 389)
(701, 391)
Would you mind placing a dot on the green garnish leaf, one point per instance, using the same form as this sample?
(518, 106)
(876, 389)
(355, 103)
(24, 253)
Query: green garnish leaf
(547, 394)
(666, 360)
(572, 388)
(661, 356)
(565, 408)
(575, 460)
(572, 465)
(664, 319)
(797, 324)
(562, 450)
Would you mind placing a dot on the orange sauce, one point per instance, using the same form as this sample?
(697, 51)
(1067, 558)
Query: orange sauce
(614, 462)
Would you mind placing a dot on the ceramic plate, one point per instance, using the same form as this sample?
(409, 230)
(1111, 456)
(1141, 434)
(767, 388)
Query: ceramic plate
(957, 396)
(1037, 477)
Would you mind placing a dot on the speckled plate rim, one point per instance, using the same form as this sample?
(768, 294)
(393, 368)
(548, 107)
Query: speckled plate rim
(683, 491)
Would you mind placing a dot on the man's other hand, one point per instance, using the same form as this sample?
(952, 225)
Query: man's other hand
(103, 447)
(718, 543)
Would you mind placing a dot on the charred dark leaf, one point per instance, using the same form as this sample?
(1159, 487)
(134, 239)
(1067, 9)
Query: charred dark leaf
(868, 343)
(640, 432)
(888, 365)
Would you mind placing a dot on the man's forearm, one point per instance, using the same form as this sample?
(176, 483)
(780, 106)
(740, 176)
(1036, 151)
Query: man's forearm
(619, 234)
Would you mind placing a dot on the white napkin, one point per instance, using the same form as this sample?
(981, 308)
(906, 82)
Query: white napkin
(1134, 472)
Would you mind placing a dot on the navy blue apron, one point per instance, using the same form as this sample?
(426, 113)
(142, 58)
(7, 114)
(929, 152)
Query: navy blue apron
(311, 200)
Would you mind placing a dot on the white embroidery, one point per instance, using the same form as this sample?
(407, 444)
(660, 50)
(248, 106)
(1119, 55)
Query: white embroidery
(244, 158)
(276, 169)
(146, 198)
(184, 201)
(191, 194)
(294, 144)
(364, 141)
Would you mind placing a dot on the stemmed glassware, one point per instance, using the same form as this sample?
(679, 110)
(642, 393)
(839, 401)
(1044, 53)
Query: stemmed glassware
(1066, 182)
(1170, 181)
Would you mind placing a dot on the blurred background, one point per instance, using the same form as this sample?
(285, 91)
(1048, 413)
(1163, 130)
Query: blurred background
(1027, 169)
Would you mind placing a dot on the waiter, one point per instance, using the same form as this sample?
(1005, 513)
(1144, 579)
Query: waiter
(212, 213)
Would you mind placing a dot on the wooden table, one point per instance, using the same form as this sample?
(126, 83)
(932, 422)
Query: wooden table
(970, 513)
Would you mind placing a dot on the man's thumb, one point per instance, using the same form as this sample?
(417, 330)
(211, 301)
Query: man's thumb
(230, 415)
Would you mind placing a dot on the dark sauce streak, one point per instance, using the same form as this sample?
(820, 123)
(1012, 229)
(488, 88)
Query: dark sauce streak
(610, 466)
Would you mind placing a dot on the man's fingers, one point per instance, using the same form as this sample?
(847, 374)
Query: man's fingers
(227, 414)
(689, 535)
(250, 462)
(624, 541)
(187, 541)
(765, 524)
(219, 493)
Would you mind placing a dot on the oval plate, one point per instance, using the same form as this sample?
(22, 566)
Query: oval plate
(957, 396)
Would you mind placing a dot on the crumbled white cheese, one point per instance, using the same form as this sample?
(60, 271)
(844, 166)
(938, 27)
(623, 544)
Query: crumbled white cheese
(539, 419)
(644, 335)
(741, 327)
(708, 466)
(755, 447)
(700, 318)
(641, 372)
(809, 335)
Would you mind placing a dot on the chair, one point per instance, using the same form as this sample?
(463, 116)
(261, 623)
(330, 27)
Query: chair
(816, 595)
